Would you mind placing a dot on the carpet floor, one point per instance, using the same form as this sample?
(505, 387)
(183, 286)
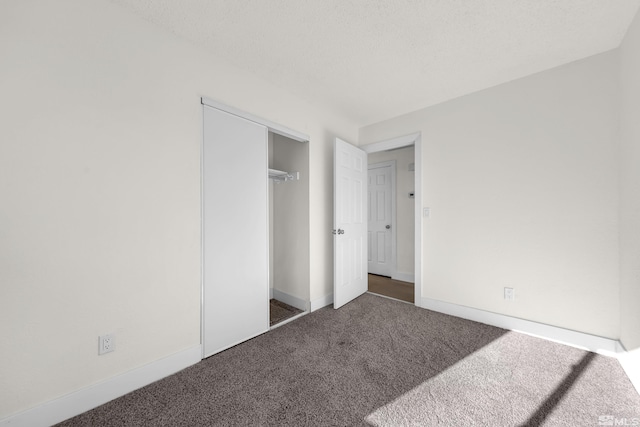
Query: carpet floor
(379, 362)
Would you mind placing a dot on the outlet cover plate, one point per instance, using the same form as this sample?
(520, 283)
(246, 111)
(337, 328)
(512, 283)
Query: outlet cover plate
(106, 343)
(509, 294)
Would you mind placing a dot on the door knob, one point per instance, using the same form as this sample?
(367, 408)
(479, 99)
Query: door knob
(387, 227)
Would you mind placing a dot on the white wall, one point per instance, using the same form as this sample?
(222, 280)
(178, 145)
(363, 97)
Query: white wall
(405, 206)
(291, 219)
(521, 180)
(630, 187)
(100, 190)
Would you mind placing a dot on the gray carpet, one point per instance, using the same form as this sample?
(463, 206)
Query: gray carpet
(379, 362)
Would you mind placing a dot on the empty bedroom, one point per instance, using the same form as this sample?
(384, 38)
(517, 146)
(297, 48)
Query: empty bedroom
(170, 169)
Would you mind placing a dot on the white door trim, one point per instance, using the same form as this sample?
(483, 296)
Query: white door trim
(392, 164)
(414, 139)
(272, 126)
(390, 144)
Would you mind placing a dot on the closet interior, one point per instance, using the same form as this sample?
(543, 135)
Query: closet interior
(288, 229)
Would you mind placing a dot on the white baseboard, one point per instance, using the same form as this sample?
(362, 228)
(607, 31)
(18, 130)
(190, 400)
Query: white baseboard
(630, 361)
(552, 333)
(403, 277)
(270, 293)
(77, 402)
(317, 304)
(290, 299)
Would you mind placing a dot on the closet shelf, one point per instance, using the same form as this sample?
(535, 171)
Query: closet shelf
(282, 176)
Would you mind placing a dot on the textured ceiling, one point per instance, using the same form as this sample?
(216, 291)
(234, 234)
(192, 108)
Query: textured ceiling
(370, 60)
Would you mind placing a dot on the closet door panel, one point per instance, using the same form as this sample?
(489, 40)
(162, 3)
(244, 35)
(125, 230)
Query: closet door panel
(235, 229)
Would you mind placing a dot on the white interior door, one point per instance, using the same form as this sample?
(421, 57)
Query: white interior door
(235, 231)
(380, 219)
(350, 223)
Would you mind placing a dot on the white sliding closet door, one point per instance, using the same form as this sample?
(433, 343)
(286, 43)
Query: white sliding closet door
(236, 231)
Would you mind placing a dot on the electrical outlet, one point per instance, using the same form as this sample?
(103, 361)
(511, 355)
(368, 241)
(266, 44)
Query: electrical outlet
(106, 343)
(509, 294)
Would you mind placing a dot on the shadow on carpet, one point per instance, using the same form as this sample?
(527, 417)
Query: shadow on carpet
(379, 362)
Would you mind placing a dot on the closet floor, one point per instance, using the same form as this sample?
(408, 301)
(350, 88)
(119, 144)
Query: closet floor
(279, 311)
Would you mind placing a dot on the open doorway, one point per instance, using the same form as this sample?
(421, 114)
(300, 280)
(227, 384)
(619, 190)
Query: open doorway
(350, 216)
(391, 223)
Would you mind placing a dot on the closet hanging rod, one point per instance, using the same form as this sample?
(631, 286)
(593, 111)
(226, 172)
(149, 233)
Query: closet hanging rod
(282, 176)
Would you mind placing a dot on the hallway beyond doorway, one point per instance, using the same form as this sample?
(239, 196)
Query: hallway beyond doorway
(388, 287)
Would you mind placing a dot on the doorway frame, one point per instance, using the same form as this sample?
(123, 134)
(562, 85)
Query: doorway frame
(394, 234)
(415, 140)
